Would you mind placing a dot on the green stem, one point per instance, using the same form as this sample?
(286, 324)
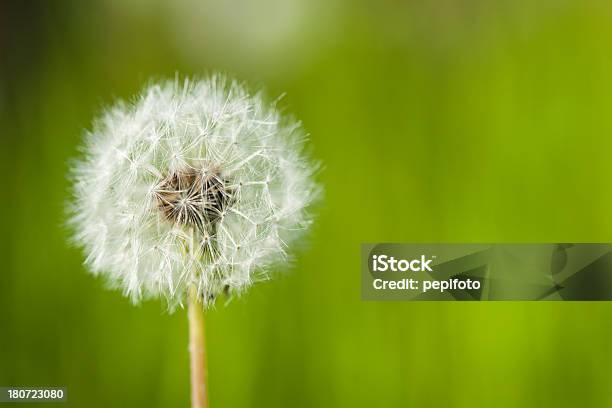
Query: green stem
(197, 352)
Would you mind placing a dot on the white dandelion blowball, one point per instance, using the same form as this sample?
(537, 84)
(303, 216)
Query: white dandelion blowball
(198, 184)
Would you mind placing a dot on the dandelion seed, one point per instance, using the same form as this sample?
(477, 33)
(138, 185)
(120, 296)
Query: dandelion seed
(205, 158)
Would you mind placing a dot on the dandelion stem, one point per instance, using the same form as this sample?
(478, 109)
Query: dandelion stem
(197, 352)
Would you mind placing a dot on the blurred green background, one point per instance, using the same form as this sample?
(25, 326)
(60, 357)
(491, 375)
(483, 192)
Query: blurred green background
(440, 121)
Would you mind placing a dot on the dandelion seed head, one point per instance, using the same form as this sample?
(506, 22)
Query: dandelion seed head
(196, 183)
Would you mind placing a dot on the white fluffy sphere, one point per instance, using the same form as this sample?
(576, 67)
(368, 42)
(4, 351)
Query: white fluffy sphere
(194, 184)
